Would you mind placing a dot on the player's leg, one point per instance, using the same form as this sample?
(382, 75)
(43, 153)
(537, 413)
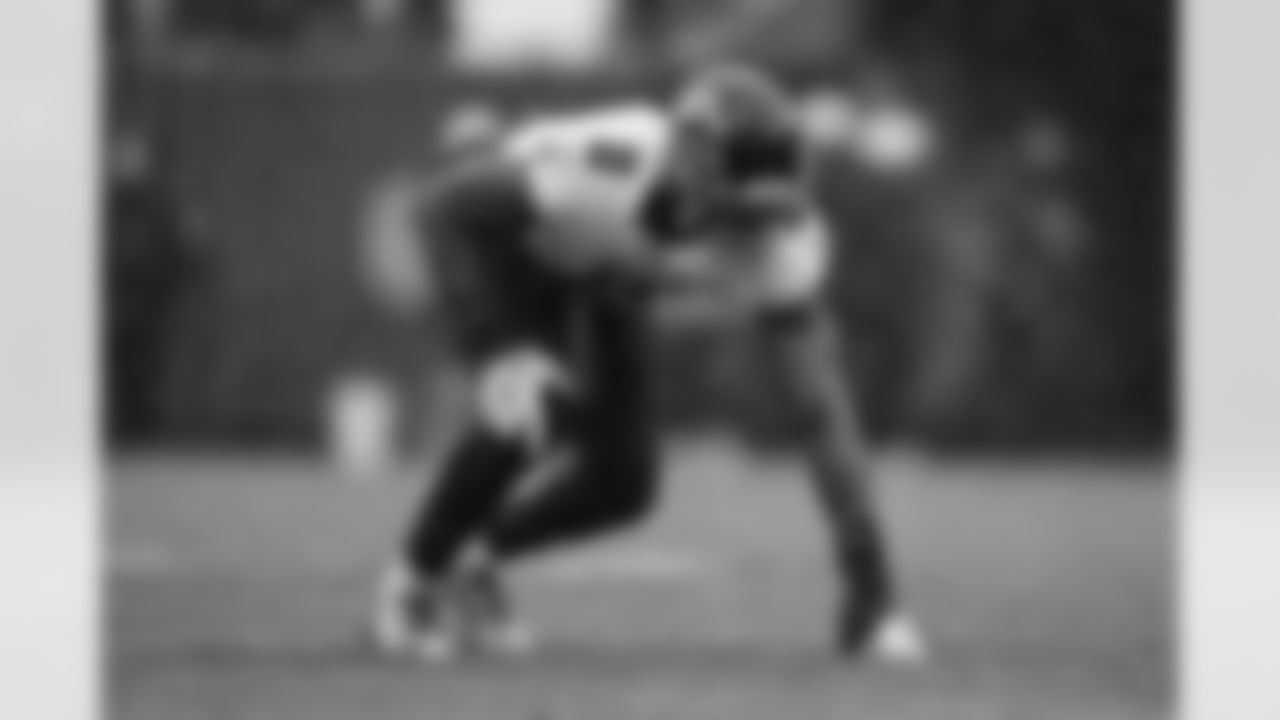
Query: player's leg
(516, 389)
(611, 485)
(414, 601)
(501, 316)
(609, 482)
(476, 476)
(509, 430)
(803, 345)
(613, 480)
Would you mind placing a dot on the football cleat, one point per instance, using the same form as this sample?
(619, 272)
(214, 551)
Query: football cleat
(898, 640)
(882, 635)
(487, 611)
(412, 619)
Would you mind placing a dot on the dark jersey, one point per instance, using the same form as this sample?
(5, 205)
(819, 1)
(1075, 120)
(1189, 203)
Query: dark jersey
(493, 289)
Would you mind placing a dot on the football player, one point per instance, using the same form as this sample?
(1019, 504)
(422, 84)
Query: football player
(550, 251)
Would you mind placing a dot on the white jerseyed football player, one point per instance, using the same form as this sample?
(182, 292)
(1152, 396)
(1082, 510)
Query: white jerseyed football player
(550, 252)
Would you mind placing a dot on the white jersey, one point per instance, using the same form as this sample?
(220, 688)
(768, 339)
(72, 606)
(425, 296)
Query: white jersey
(591, 173)
(791, 265)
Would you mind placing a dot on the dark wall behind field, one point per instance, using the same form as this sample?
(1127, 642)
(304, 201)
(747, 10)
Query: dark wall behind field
(274, 170)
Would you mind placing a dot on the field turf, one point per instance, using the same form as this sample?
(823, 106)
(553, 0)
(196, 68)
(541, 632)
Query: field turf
(238, 589)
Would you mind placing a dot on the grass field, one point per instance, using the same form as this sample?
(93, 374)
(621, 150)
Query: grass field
(238, 589)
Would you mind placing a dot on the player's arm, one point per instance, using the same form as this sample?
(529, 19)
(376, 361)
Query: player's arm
(413, 214)
(695, 286)
(396, 267)
(762, 260)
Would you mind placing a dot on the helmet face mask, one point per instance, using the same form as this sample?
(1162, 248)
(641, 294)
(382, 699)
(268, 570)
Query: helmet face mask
(738, 146)
(737, 125)
(763, 156)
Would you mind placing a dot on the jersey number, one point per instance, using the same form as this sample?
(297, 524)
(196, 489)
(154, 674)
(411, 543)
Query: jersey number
(612, 157)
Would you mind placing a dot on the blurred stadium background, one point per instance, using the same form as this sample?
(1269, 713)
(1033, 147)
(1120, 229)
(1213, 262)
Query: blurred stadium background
(1001, 172)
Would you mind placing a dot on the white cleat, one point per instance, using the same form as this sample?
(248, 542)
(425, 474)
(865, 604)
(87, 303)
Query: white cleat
(899, 641)
(434, 647)
(409, 620)
(508, 637)
(487, 610)
(390, 624)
